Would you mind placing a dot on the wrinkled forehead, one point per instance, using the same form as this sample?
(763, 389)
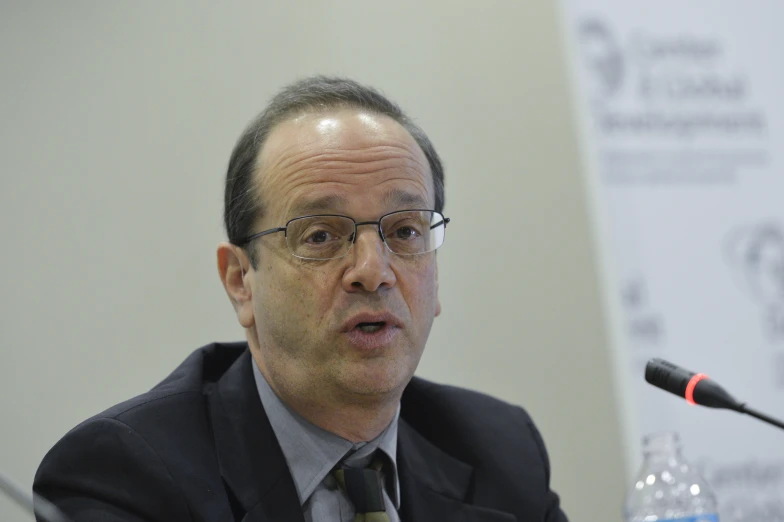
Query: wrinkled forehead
(327, 156)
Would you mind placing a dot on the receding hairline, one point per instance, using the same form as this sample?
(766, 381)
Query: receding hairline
(302, 114)
(318, 94)
(317, 110)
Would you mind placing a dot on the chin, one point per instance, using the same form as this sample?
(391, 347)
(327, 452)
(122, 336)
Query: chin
(380, 382)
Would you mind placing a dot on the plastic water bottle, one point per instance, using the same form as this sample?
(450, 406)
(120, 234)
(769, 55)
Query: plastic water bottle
(668, 488)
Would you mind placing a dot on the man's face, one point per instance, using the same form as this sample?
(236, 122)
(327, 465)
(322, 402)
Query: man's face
(304, 335)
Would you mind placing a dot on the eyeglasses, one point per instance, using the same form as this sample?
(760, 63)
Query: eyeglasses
(330, 236)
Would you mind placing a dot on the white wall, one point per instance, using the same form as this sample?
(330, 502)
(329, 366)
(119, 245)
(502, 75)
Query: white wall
(117, 120)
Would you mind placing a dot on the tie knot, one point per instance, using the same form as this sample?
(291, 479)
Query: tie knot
(364, 486)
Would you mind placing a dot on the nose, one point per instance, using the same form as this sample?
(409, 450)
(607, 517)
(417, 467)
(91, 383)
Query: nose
(369, 267)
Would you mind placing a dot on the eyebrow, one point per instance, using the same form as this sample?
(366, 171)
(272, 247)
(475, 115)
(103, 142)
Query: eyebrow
(322, 204)
(400, 198)
(394, 199)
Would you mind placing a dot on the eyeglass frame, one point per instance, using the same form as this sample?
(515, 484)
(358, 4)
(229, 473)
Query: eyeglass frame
(245, 241)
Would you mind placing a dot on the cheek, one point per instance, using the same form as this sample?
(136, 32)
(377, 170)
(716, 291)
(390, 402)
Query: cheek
(422, 294)
(302, 291)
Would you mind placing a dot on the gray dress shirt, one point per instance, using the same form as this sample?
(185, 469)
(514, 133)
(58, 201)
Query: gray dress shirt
(311, 453)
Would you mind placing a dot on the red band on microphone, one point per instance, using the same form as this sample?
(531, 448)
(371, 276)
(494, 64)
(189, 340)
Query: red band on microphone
(690, 387)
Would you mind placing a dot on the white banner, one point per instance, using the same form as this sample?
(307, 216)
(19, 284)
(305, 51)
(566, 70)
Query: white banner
(682, 111)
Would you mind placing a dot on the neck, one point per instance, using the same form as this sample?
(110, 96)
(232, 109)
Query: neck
(355, 418)
(354, 423)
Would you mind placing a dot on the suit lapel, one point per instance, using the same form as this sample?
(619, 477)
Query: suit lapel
(434, 485)
(251, 462)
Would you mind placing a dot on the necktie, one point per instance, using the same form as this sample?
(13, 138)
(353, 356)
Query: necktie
(365, 489)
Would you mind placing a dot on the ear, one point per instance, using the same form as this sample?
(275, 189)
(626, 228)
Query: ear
(438, 301)
(233, 268)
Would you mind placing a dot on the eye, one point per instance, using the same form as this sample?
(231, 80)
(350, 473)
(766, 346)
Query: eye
(319, 236)
(406, 232)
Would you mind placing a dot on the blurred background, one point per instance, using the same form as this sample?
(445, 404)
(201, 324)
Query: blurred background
(117, 124)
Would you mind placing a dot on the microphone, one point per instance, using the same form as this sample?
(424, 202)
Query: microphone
(43, 509)
(698, 388)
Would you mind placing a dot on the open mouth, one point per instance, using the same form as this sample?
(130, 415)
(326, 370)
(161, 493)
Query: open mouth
(371, 327)
(372, 331)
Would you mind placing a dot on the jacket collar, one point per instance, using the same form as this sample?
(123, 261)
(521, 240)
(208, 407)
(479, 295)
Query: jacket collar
(251, 462)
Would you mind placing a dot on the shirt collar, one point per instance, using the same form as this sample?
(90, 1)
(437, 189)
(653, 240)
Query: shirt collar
(312, 452)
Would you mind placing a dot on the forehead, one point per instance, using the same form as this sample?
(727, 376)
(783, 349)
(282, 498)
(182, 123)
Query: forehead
(332, 159)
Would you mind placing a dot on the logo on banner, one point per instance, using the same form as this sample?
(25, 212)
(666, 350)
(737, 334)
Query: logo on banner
(757, 256)
(669, 107)
(603, 57)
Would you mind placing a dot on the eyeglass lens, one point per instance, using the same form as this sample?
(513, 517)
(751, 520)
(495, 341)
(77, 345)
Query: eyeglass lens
(327, 237)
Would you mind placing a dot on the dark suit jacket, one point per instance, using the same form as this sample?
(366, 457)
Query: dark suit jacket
(199, 447)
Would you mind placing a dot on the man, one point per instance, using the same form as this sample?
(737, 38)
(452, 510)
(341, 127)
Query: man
(333, 210)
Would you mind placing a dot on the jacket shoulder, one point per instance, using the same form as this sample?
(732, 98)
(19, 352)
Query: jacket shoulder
(154, 443)
(174, 411)
(497, 439)
(472, 426)
(460, 406)
(187, 383)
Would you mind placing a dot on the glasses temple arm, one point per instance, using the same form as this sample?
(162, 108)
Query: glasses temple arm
(248, 239)
(444, 222)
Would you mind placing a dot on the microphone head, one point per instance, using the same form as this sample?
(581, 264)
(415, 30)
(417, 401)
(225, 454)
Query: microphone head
(667, 376)
(696, 388)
